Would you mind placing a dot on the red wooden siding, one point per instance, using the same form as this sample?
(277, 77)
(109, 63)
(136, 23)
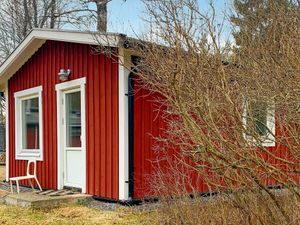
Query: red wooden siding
(101, 113)
(152, 156)
(149, 124)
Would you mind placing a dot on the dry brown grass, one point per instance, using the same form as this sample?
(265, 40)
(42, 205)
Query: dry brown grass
(71, 215)
(181, 211)
(2, 177)
(254, 210)
(2, 172)
(219, 210)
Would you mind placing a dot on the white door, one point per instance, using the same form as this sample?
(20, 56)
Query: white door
(72, 154)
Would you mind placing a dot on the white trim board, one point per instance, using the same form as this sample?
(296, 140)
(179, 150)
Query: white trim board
(6, 133)
(37, 37)
(60, 88)
(28, 92)
(123, 127)
(70, 84)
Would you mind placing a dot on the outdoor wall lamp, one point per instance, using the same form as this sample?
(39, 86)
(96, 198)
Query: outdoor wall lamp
(64, 74)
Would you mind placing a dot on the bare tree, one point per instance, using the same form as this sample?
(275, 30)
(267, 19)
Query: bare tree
(221, 117)
(18, 17)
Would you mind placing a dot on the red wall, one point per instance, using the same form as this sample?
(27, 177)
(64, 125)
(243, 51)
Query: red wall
(101, 113)
(154, 159)
(149, 124)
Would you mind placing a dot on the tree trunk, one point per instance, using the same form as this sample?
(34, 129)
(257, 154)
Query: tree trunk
(26, 19)
(53, 16)
(101, 15)
(35, 14)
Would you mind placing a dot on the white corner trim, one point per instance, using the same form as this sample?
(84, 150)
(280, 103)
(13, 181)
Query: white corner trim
(83, 133)
(6, 133)
(123, 129)
(60, 88)
(59, 139)
(25, 154)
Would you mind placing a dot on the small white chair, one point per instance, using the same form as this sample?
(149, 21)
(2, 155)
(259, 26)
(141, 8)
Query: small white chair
(27, 177)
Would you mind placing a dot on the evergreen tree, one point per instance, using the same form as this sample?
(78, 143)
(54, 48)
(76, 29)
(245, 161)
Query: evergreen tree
(259, 21)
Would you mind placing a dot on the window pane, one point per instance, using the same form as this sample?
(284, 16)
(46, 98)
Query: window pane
(257, 118)
(73, 119)
(30, 124)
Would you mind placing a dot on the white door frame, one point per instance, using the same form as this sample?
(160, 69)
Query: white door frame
(60, 88)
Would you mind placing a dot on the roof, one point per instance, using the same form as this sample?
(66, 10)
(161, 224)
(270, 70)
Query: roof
(37, 37)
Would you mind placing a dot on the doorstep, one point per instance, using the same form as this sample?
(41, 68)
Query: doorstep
(40, 200)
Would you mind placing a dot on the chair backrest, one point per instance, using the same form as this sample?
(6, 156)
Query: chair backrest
(34, 167)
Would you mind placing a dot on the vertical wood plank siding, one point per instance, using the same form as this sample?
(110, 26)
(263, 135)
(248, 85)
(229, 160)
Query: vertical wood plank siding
(149, 124)
(102, 146)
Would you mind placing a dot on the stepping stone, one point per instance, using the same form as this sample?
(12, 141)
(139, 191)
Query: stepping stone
(67, 193)
(33, 200)
(56, 193)
(45, 192)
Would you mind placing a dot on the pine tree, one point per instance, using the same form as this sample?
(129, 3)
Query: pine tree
(259, 21)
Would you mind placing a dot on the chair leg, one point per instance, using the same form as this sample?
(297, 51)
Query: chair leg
(18, 188)
(38, 184)
(30, 182)
(11, 187)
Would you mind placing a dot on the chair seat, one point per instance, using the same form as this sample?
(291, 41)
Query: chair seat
(21, 178)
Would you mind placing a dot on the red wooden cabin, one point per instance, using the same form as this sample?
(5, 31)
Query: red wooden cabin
(85, 130)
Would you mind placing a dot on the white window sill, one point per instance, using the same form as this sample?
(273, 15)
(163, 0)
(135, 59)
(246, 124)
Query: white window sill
(266, 142)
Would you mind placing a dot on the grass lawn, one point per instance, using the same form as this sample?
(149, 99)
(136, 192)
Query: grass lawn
(74, 214)
(71, 215)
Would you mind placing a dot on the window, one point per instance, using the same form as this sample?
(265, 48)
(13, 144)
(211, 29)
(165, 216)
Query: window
(73, 119)
(28, 124)
(259, 123)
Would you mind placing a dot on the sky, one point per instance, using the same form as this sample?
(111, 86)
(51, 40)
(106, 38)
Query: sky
(126, 16)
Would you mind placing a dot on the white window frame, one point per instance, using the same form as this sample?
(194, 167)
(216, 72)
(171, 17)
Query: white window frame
(26, 154)
(266, 140)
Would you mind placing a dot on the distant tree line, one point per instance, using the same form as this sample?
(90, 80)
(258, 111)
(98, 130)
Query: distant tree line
(18, 17)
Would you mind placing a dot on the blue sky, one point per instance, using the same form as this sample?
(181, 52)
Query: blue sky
(124, 17)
